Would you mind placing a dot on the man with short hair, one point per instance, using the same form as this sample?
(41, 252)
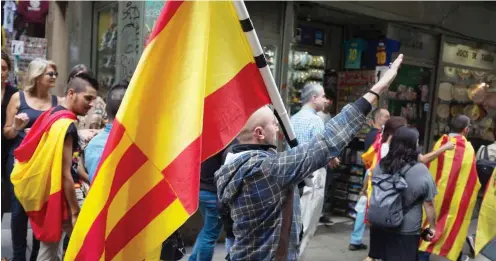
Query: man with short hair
(93, 152)
(307, 124)
(259, 184)
(50, 152)
(379, 118)
(458, 185)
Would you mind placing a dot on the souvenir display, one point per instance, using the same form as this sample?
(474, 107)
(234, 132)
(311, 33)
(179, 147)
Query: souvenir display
(445, 91)
(450, 71)
(304, 68)
(472, 111)
(270, 57)
(460, 93)
(443, 111)
(464, 91)
(456, 110)
(463, 73)
(479, 75)
(408, 96)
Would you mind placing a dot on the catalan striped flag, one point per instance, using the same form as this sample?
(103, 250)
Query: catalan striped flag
(37, 174)
(194, 88)
(456, 179)
(486, 225)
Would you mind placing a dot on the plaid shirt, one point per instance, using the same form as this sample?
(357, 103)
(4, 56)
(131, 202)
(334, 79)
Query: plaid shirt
(255, 185)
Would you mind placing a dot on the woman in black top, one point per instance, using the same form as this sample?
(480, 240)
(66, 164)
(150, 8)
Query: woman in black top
(23, 110)
(7, 91)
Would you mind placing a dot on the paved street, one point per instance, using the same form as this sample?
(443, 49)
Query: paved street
(329, 244)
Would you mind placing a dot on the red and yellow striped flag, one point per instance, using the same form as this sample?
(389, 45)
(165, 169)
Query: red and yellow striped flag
(370, 159)
(486, 225)
(373, 154)
(193, 90)
(456, 179)
(38, 157)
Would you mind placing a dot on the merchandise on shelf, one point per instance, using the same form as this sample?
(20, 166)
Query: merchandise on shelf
(459, 93)
(270, 56)
(351, 86)
(304, 68)
(349, 184)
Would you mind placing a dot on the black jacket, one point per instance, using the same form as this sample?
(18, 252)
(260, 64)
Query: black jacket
(209, 167)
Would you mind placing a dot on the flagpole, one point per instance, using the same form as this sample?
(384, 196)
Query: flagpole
(270, 84)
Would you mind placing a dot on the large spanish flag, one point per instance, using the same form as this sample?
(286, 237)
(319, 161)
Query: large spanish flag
(486, 225)
(195, 86)
(37, 174)
(456, 179)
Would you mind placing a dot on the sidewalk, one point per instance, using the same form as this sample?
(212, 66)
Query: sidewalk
(330, 243)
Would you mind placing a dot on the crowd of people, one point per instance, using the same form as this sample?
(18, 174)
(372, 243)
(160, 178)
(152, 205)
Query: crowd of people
(83, 143)
(268, 202)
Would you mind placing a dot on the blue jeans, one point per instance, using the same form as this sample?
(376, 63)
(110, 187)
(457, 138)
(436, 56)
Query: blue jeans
(19, 224)
(203, 250)
(357, 234)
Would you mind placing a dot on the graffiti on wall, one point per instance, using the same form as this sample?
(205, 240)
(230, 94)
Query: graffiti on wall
(130, 39)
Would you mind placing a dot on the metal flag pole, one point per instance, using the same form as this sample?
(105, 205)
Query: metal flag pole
(256, 49)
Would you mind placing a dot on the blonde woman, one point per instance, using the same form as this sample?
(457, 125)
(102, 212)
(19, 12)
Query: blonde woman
(24, 108)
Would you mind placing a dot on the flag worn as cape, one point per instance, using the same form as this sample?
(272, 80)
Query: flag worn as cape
(486, 225)
(37, 174)
(193, 90)
(456, 179)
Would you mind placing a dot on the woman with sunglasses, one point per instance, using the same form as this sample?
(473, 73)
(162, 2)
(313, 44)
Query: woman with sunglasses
(23, 110)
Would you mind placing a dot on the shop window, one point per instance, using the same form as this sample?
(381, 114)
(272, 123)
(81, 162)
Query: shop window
(106, 46)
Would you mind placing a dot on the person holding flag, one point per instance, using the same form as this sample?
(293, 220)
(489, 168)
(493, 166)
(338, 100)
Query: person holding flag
(46, 176)
(259, 184)
(174, 116)
(455, 175)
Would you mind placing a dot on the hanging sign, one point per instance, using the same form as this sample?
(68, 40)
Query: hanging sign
(468, 56)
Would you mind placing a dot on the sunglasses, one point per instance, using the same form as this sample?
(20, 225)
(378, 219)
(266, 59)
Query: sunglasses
(52, 74)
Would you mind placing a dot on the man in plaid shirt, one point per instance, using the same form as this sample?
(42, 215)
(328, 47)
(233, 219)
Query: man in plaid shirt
(256, 181)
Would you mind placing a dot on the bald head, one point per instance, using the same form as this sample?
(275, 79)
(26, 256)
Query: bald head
(261, 128)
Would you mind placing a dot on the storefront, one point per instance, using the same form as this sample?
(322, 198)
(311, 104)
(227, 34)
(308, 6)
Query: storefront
(464, 67)
(412, 92)
(121, 29)
(23, 34)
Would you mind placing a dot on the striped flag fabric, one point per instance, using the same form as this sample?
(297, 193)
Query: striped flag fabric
(373, 154)
(456, 179)
(195, 86)
(370, 159)
(38, 157)
(486, 225)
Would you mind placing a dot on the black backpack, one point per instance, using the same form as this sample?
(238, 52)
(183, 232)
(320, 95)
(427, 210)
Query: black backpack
(386, 208)
(485, 168)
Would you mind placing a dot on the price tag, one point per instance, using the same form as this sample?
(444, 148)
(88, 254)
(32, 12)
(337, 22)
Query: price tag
(17, 47)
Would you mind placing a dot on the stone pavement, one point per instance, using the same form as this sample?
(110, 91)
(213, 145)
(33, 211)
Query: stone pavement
(329, 244)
